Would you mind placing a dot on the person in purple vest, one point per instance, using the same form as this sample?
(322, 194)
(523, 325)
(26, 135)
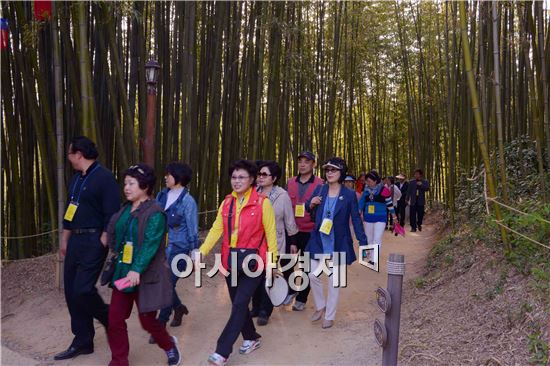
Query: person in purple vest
(300, 188)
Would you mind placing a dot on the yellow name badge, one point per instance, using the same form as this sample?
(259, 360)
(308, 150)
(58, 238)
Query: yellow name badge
(326, 226)
(71, 210)
(127, 252)
(371, 209)
(300, 210)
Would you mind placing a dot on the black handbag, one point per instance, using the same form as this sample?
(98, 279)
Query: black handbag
(241, 253)
(109, 268)
(110, 264)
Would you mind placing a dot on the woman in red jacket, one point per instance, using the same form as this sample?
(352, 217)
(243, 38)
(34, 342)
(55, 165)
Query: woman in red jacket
(247, 222)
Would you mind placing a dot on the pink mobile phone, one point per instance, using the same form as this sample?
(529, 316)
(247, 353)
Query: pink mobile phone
(122, 283)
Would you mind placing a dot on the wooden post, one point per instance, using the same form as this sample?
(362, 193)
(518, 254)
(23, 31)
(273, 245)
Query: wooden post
(389, 302)
(150, 128)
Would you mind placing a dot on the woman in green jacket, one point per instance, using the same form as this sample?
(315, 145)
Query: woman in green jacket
(137, 234)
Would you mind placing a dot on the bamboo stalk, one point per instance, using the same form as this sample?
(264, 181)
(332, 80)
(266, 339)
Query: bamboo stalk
(477, 117)
(59, 138)
(496, 63)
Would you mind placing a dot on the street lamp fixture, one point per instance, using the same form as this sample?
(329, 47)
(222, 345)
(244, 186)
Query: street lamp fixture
(152, 68)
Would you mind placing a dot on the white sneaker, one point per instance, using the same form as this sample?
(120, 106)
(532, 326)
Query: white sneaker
(217, 359)
(249, 346)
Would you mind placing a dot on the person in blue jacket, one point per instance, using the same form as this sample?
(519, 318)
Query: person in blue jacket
(374, 204)
(183, 231)
(332, 205)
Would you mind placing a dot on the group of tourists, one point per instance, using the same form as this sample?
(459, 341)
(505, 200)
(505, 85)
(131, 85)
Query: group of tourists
(397, 194)
(139, 240)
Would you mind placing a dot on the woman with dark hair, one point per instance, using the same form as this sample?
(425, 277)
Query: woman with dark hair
(137, 234)
(246, 222)
(374, 204)
(333, 206)
(267, 185)
(183, 229)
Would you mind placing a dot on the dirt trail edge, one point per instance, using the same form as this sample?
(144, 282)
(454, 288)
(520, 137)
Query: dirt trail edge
(39, 327)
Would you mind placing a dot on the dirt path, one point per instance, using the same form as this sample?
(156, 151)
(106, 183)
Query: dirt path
(39, 327)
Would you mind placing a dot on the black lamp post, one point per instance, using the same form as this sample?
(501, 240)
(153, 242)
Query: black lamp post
(152, 69)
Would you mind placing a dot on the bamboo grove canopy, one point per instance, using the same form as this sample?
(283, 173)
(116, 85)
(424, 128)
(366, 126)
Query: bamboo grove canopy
(381, 84)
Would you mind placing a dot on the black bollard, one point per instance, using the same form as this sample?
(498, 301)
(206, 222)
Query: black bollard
(396, 271)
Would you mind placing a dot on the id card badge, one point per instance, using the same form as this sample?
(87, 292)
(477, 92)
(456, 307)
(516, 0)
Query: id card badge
(300, 210)
(326, 226)
(127, 252)
(371, 209)
(71, 210)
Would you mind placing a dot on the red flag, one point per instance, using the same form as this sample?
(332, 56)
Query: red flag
(42, 9)
(4, 33)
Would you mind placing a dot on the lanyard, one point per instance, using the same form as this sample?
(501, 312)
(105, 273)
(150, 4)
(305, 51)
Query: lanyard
(128, 228)
(82, 185)
(331, 209)
(373, 192)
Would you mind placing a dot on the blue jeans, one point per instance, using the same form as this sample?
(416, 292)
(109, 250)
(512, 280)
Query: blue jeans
(176, 302)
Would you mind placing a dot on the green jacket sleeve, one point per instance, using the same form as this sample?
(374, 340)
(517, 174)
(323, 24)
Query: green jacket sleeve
(154, 231)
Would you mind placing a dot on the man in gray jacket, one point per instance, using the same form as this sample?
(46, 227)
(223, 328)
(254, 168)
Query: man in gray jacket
(416, 197)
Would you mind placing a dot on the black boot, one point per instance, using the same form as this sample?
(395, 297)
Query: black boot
(179, 312)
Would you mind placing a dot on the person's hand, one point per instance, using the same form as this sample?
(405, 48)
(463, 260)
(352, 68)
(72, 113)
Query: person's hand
(293, 249)
(63, 248)
(133, 277)
(103, 239)
(315, 201)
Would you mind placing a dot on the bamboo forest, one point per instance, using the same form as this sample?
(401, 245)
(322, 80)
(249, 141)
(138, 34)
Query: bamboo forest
(408, 103)
(383, 85)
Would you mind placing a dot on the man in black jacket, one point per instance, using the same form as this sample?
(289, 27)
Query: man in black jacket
(416, 197)
(403, 185)
(93, 197)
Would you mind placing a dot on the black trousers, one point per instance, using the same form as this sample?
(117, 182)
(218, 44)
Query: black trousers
(301, 241)
(401, 206)
(83, 264)
(261, 302)
(417, 215)
(240, 320)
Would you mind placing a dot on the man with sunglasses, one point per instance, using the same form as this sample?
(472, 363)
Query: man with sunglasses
(93, 197)
(300, 189)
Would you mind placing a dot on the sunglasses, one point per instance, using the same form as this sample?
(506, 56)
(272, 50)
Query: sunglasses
(136, 167)
(263, 175)
(331, 170)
